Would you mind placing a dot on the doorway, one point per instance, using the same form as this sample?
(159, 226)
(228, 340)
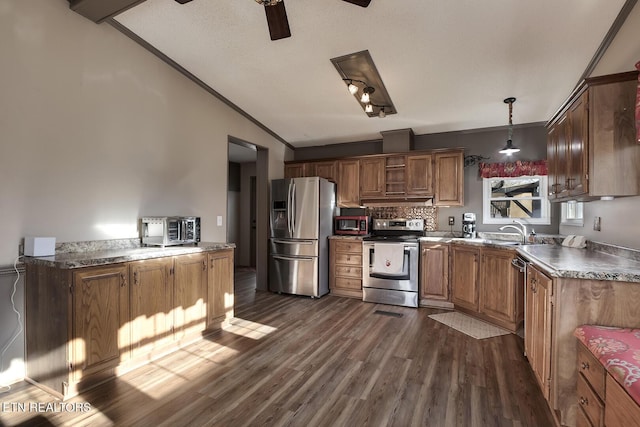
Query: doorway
(247, 207)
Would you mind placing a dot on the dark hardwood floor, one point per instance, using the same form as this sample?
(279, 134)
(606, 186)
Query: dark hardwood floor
(294, 361)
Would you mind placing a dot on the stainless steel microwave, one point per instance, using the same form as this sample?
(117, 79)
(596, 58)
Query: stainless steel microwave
(352, 225)
(169, 230)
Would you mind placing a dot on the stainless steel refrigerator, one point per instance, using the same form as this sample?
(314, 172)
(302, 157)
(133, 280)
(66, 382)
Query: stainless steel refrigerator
(301, 221)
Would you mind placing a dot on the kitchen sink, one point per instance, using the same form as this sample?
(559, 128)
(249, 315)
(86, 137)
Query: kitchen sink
(494, 241)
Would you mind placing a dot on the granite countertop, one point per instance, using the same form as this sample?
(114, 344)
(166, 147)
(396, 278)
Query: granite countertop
(560, 261)
(111, 256)
(346, 237)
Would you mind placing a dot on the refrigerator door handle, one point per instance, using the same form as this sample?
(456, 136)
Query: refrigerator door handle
(293, 211)
(286, 258)
(294, 242)
(289, 198)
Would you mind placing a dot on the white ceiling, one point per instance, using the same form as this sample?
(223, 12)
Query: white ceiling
(447, 65)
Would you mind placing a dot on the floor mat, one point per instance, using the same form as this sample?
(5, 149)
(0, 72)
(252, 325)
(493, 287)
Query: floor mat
(468, 325)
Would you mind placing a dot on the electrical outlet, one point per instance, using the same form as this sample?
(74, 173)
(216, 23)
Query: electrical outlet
(597, 223)
(21, 249)
(452, 220)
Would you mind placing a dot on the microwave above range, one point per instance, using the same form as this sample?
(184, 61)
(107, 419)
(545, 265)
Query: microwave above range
(352, 225)
(169, 230)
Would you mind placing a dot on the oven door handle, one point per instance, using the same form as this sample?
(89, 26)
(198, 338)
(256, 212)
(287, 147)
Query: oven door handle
(299, 258)
(389, 276)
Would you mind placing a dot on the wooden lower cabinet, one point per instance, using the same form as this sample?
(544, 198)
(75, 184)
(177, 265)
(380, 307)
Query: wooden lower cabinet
(434, 275)
(538, 326)
(100, 328)
(345, 267)
(190, 295)
(220, 289)
(486, 285)
(501, 295)
(465, 270)
(85, 325)
(151, 304)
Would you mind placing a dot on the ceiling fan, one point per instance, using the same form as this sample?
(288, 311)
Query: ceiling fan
(277, 16)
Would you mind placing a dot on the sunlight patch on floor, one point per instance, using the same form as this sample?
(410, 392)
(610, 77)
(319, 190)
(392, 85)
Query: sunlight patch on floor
(249, 329)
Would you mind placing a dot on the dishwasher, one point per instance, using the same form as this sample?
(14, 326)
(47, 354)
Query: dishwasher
(521, 265)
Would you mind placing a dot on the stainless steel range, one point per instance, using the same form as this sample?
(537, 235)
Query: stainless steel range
(390, 262)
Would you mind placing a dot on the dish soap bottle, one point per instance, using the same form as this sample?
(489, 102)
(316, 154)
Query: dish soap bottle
(532, 236)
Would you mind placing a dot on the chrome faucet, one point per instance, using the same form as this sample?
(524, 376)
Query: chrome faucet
(521, 230)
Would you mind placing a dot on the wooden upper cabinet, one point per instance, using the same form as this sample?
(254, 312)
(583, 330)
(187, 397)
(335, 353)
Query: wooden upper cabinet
(295, 170)
(591, 147)
(348, 183)
(325, 170)
(577, 179)
(419, 173)
(449, 178)
(372, 177)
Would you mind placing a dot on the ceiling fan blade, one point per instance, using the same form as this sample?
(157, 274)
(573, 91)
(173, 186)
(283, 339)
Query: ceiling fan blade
(277, 20)
(363, 3)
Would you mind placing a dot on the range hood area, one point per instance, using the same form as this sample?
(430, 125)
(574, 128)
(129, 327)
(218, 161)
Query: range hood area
(397, 141)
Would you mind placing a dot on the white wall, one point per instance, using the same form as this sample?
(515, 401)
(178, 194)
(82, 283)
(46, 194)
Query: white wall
(618, 217)
(96, 131)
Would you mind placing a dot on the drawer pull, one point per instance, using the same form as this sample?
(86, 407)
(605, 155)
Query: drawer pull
(584, 401)
(585, 365)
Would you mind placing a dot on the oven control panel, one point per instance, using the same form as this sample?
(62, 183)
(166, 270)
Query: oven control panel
(399, 224)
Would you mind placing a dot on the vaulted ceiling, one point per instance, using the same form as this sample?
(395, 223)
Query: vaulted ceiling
(447, 65)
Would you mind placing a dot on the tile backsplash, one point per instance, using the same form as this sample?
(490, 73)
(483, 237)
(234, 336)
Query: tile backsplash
(428, 213)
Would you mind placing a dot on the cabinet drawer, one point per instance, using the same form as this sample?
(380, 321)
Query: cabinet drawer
(348, 246)
(344, 271)
(348, 259)
(344, 283)
(592, 370)
(622, 410)
(582, 420)
(590, 403)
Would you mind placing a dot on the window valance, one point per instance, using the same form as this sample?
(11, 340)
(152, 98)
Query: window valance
(513, 169)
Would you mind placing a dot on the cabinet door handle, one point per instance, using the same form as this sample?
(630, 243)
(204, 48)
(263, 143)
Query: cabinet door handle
(135, 278)
(584, 365)
(204, 265)
(123, 280)
(584, 401)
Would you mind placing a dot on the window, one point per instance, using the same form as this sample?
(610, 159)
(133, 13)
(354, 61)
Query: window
(572, 214)
(523, 198)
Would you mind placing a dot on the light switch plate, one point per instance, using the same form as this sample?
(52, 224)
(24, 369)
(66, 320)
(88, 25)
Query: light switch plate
(219, 220)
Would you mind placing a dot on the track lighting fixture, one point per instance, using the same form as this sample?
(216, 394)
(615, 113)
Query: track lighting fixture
(509, 149)
(364, 83)
(268, 2)
(366, 92)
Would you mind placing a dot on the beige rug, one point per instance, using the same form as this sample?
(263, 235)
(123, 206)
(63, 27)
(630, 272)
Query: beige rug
(468, 325)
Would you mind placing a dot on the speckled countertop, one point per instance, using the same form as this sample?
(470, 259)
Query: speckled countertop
(560, 261)
(80, 259)
(598, 261)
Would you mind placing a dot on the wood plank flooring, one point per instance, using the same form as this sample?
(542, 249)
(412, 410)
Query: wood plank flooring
(294, 361)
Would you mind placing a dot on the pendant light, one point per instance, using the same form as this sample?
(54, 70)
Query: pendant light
(509, 149)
